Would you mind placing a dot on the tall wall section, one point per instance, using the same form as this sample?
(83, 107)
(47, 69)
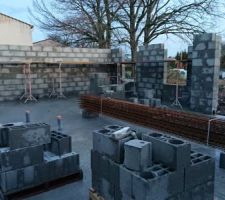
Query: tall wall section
(206, 57)
(150, 69)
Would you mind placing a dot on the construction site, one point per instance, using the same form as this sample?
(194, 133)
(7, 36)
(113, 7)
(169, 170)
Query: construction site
(85, 123)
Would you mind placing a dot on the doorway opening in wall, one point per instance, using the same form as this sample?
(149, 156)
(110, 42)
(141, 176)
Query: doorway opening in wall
(176, 72)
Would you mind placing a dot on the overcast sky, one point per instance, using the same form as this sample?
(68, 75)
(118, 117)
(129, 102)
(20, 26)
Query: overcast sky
(19, 9)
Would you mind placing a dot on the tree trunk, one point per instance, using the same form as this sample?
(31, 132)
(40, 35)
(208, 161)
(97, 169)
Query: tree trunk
(133, 40)
(108, 25)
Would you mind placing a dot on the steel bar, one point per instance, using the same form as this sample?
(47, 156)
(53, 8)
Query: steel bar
(189, 125)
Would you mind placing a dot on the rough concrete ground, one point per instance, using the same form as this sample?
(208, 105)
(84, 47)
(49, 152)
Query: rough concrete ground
(81, 131)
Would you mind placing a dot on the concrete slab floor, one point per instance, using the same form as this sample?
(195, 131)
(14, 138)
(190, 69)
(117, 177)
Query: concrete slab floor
(81, 132)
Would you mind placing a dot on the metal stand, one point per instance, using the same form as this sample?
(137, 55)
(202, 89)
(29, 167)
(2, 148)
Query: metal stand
(176, 101)
(53, 92)
(25, 82)
(28, 94)
(61, 95)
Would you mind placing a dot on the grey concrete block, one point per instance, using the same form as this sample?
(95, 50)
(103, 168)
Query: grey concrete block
(138, 155)
(200, 192)
(4, 137)
(202, 169)
(159, 182)
(60, 143)
(20, 158)
(126, 181)
(170, 151)
(106, 145)
(107, 191)
(222, 160)
(29, 135)
(113, 128)
(61, 166)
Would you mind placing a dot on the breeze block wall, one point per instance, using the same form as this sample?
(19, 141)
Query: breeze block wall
(150, 69)
(38, 54)
(75, 79)
(78, 64)
(205, 73)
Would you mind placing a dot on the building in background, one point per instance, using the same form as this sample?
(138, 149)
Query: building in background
(47, 43)
(14, 31)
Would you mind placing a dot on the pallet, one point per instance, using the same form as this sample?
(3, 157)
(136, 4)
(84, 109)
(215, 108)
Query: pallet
(93, 195)
(43, 187)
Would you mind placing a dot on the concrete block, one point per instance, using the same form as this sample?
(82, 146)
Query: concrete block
(61, 166)
(113, 128)
(173, 152)
(4, 139)
(107, 191)
(222, 160)
(144, 101)
(159, 182)
(29, 135)
(202, 169)
(138, 155)
(106, 145)
(20, 158)
(200, 192)
(126, 181)
(9, 181)
(60, 143)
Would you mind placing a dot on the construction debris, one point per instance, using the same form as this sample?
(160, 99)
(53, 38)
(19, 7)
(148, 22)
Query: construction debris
(157, 166)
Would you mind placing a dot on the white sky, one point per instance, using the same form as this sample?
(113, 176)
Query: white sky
(19, 9)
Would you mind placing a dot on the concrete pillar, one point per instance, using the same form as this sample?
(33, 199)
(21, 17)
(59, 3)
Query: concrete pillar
(205, 73)
(150, 69)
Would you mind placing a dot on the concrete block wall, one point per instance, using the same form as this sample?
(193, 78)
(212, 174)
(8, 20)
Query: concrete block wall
(150, 69)
(206, 56)
(14, 54)
(154, 166)
(117, 55)
(75, 79)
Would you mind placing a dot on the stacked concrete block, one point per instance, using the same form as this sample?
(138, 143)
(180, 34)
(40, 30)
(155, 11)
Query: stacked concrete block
(31, 155)
(60, 143)
(150, 70)
(173, 172)
(205, 73)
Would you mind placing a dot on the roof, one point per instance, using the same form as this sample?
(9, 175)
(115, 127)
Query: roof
(31, 26)
(48, 42)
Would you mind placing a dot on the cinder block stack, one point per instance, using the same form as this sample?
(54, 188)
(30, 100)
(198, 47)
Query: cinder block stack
(156, 167)
(30, 155)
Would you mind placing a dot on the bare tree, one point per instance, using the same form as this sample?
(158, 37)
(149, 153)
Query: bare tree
(103, 23)
(145, 20)
(78, 22)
